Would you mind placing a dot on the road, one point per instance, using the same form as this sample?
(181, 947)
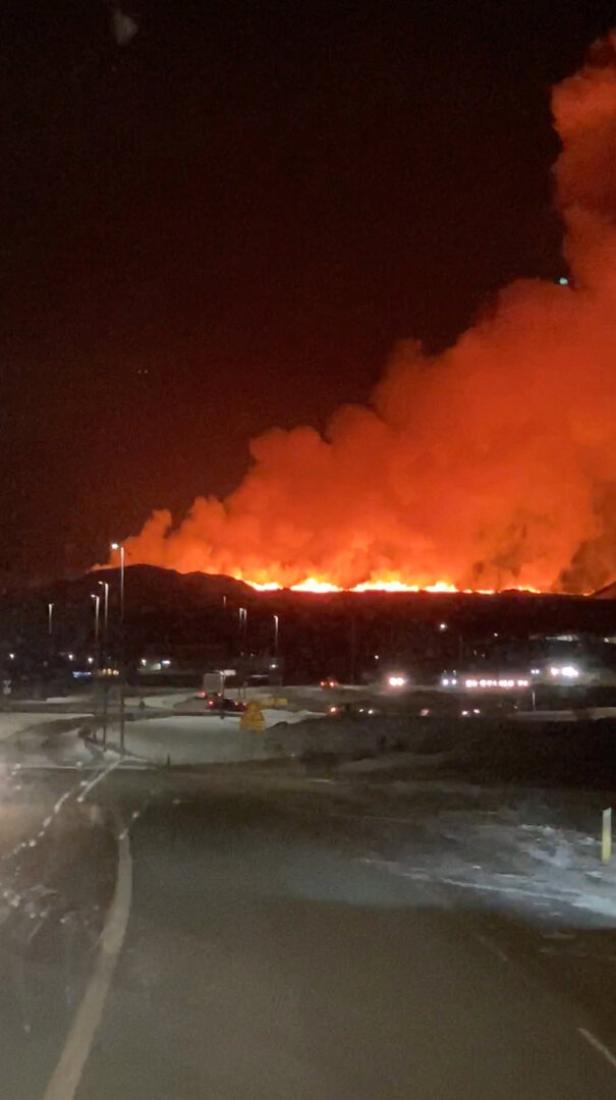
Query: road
(266, 959)
(271, 952)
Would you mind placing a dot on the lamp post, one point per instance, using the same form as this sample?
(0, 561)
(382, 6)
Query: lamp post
(119, 546)
(276, 625)
(49, 634)
(243, 624)
(97, 614)
(105, 587)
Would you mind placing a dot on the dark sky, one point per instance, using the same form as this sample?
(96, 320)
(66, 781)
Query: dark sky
(229, 223)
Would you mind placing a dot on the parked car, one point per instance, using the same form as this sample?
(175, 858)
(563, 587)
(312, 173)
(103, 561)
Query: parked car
(224, 703)
(356, 709)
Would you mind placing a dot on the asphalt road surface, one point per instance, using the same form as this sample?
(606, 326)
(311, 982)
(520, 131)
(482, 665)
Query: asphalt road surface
(267, 955)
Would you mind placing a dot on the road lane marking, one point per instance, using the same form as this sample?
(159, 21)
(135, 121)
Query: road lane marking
(598, 1045)
(65, 1079)
(102, 775)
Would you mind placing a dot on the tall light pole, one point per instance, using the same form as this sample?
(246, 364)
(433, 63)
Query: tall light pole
(50, 631)
(97, 614)
(243, 624)
(119, 546)
(276, 625)
(105, 587)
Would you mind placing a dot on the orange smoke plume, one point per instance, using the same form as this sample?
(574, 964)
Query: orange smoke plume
(491, 465)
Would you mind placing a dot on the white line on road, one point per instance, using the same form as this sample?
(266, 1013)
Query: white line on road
(102, 775)
(65, 1079)
(598, 1045)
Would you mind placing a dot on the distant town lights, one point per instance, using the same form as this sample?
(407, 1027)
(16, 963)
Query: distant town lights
(506, 683)
(566, 672)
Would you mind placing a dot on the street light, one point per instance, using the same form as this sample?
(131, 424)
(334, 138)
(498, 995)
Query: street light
(119, 546)
(105, 586)
(50, 631)
(97, 610)
(243, 628)
(276, 624)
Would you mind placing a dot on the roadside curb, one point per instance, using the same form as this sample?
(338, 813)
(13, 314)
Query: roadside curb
(68, 1072)
(111, 746)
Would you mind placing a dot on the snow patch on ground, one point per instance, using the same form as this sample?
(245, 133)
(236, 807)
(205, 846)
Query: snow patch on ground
(14, 724)
(501, 859)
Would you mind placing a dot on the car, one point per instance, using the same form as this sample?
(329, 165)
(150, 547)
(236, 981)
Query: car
(352, 710)
(329, 682)
(219, 703)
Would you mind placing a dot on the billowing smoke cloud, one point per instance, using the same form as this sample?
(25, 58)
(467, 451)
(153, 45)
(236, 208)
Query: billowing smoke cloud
(491, 465)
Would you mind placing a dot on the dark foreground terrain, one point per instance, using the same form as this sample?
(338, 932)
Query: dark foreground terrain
(294, 932)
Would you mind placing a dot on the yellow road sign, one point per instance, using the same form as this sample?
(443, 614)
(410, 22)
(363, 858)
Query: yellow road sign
(252, 718)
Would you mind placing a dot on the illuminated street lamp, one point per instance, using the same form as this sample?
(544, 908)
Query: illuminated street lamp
(105, 586)
(119, 546)
(276, 625)
(242, 613)
(50, 619)
(97, 612)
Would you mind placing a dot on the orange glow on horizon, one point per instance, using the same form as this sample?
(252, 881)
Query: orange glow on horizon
(321, 586)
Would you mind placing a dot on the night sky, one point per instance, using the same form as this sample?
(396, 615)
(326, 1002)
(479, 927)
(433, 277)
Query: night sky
(230, 221)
